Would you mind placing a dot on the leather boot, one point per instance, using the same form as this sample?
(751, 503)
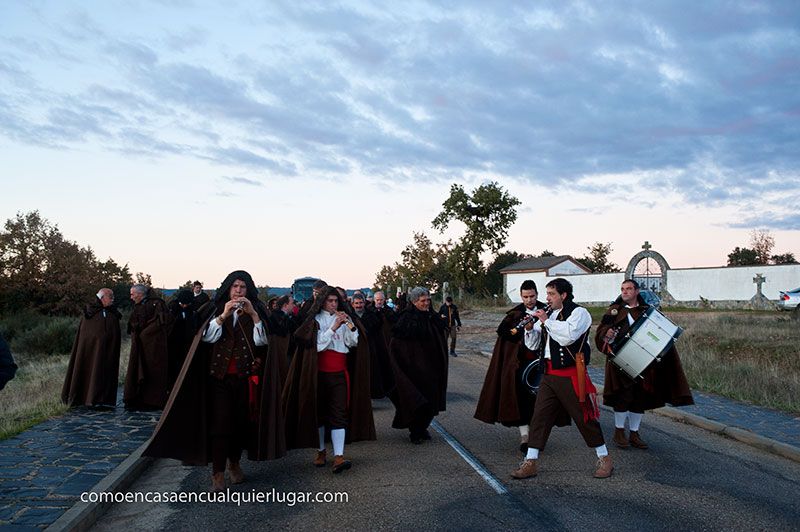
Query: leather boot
(527, 469)
(340, 464)
(321, 459)
(620, 440)
(235, 472)
(218, 481)
(604, 467)
(636, 441)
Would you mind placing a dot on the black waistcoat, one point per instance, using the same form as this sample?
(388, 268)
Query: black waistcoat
(564, 356)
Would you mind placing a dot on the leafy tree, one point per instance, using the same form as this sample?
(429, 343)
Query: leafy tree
(41, 270)
(784, 258)
(422, 264)
(742, 257)
(487, 213)
(187, 284)
(597, 259)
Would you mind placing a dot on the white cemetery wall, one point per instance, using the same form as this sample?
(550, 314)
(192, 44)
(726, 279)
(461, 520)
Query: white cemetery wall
(731, 284)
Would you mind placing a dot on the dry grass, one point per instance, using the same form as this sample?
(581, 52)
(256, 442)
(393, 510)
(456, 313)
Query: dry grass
(34, 395)
(751, 357)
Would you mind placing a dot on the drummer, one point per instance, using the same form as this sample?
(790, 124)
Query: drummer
(504, 398)
(660, 383)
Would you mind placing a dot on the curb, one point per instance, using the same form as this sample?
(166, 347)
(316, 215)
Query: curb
(735, 433)
(83, 515)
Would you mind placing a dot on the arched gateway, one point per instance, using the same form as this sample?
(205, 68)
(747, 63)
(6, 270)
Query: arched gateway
(649, 269)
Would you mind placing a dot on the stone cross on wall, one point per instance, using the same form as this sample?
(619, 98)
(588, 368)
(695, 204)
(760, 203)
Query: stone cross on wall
(646, 246)
(759, 280)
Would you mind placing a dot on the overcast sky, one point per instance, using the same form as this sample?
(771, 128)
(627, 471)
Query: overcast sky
(301, 138)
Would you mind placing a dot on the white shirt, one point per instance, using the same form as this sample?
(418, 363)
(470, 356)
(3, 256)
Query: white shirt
(565, 332)
(340, 340)
(630, 318)
(214, 331)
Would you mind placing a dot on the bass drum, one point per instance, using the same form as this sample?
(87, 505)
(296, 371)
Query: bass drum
(532, 377)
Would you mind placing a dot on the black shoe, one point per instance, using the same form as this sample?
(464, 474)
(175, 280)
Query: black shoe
(453, 354)
(426, 435)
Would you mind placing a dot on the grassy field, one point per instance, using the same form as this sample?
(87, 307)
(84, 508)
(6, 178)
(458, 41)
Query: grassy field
(34, 395)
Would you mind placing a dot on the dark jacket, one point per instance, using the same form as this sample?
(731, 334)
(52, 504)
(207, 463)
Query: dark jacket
(450, 316)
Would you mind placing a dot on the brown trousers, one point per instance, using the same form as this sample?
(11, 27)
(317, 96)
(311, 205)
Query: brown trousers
(554, 394)
(332, 400)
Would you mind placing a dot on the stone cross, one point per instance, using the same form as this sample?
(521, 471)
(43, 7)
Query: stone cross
(646, 246)
(759, 280)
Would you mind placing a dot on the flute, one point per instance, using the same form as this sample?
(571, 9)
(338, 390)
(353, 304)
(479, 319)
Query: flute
(527, 319)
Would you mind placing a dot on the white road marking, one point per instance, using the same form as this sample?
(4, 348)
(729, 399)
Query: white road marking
(471, 460)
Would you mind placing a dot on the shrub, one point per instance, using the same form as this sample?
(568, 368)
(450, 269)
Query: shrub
(49, 335)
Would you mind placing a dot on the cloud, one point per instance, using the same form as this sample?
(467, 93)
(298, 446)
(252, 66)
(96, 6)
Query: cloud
(242, 181)
(548, 95)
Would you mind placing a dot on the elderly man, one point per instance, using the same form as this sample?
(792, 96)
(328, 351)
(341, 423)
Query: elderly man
(419, 361)
(94, 364)
(147, 381)
(386, 313)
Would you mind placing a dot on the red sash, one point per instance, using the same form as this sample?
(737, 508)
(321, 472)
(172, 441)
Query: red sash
(591, 410)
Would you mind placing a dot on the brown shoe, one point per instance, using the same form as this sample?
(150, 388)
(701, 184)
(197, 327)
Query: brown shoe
(636, 441)
(620, 440)
(321, 459)
(236, 473)
(218, 481)
(527, 469)
(604, 467)
(340, 464)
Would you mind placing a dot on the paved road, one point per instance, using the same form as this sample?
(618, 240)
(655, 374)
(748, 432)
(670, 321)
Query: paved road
(689, 479)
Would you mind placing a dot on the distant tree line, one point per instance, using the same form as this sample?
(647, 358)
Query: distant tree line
(40, 270)
(760, 251)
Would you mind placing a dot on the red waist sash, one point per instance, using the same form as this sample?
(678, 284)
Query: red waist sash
(591, 409)
(331, 361)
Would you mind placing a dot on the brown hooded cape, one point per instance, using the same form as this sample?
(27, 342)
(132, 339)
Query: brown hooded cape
(381, 376)
(499, 400)
(419, 361)
(182, 431)
(663, 382)
(94, 364)
(300, 391)
(147, 380)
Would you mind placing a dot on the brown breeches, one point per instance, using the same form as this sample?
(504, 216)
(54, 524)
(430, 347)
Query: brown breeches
(332, 400)
(554, 394)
